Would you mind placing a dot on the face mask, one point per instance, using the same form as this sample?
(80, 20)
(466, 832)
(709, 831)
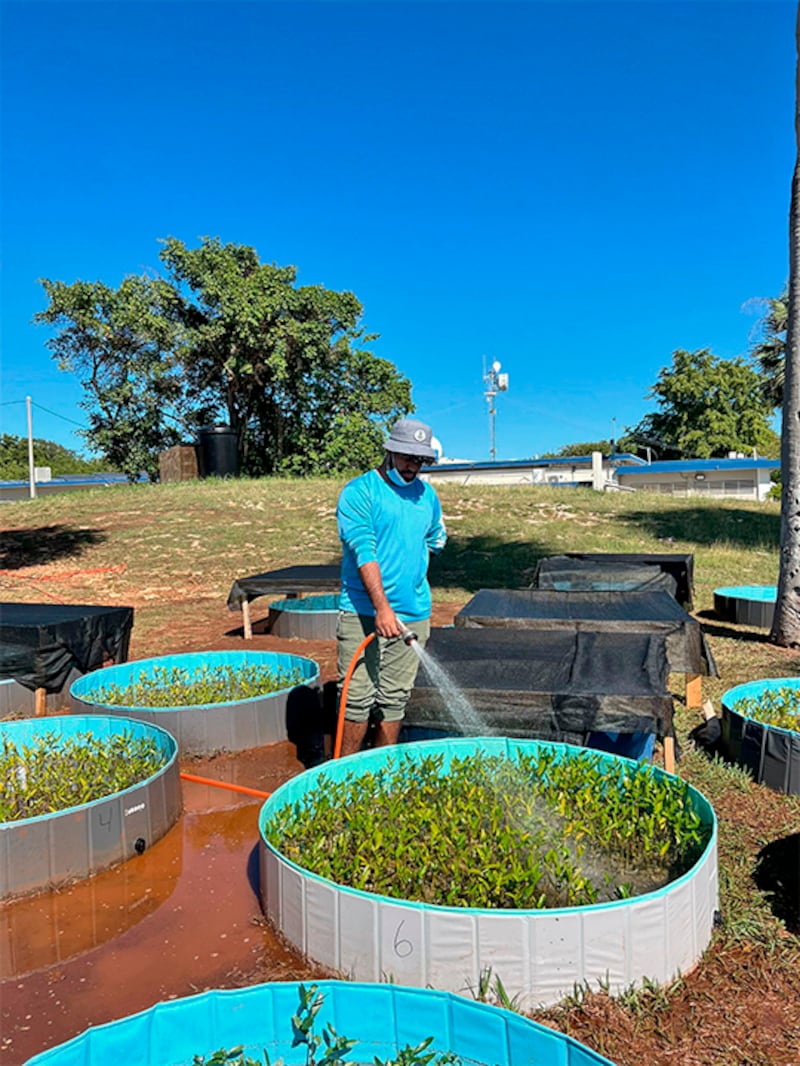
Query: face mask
(392, 474)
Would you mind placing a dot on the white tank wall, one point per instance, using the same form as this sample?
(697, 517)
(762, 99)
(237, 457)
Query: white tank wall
(539, 955)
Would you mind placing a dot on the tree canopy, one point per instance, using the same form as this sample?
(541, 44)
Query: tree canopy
(579, 448)
(708, 407)
(583, 448)
(61, 460)
(769, 351)
(224, 337)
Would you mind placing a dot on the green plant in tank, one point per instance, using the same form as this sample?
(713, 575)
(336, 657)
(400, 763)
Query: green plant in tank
(328, 1045)
(178, 687)
(773, 706)
(538, 831)
(233, 1057)
(54, 772)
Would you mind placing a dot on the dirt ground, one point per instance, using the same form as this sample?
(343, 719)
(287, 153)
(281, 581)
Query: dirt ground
(739, 1007)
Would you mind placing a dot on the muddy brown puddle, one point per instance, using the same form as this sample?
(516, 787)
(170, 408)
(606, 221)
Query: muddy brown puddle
(182, 917)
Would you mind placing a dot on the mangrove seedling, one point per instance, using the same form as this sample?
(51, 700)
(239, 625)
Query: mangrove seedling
(773, 706)
(57, 772)
(538, 831)
(336, 1047)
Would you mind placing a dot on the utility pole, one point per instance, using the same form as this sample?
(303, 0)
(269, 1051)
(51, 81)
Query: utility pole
(31, 475)
(495, 382)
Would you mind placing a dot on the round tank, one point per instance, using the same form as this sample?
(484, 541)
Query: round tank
(305, 618)
(746, 605)
(539, 955)
(769, 752)
(383, 1019)
(53, 849)
(219, 452)
(205, 729)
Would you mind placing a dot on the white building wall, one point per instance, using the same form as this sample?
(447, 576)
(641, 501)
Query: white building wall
(745, 483)
(720, 484)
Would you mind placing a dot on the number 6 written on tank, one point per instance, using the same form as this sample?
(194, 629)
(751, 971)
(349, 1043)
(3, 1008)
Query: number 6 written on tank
(402, 946)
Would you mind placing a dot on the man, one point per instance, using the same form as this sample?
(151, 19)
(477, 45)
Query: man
(389, 522)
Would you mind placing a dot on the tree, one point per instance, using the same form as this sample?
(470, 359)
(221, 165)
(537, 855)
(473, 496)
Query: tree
(283, 362)
(14, 458)
(583, 448)
(579, 448)
(786, 618)
(122, 343)
(708, 407)
(768, 352)
(226, 337)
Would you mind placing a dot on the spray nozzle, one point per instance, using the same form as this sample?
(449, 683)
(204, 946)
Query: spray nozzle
(408, 635)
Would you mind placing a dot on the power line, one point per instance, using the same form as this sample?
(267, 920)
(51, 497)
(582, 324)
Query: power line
(57, 415)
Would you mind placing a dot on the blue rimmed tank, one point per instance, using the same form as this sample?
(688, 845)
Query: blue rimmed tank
(746, 605)
(47, 850)
(770, 753)
(382, 1019)
(305, 617)
(208, 728)
(540, 955)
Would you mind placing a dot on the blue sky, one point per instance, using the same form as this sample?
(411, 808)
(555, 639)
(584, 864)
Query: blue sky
(573, 188)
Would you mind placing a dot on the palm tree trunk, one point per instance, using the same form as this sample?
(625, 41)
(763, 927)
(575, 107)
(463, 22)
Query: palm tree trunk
(786, 621)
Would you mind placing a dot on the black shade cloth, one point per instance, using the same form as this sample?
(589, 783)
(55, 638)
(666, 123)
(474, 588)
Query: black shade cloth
(40, 643)
(623, 612)
(618, 571)
(288, 581)
(551, 685)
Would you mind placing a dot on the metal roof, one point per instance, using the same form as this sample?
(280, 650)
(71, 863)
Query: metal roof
(560, 460)
(72, 480)
(688, 466)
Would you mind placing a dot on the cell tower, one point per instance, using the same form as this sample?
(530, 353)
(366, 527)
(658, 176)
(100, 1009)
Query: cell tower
(495, 382)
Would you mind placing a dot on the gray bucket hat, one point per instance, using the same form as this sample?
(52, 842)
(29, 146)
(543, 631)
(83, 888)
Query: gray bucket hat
(410, 437)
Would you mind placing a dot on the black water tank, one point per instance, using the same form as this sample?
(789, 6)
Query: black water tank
(219, 456)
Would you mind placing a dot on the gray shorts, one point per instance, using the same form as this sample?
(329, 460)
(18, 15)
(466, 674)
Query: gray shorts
(386, 670)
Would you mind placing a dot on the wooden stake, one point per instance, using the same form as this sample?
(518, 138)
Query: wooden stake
(248, 628)
(40, 703)
(669, 754)
(694, 690)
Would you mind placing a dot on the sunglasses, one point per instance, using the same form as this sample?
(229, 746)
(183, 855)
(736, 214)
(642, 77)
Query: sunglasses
(418, 459)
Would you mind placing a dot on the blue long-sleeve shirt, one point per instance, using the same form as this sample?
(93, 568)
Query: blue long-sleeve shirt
(396, 528)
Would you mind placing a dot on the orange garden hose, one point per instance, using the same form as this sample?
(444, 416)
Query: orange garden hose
(337, 747)
(224, 784)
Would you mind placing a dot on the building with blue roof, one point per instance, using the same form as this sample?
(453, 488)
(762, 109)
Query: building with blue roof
(737, 477)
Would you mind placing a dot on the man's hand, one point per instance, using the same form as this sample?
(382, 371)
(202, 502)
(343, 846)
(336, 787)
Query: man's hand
(387, 623)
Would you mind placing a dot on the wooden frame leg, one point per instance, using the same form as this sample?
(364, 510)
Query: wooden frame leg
(40, 702)
(669, 754)
(694, 690)
(248, 627)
